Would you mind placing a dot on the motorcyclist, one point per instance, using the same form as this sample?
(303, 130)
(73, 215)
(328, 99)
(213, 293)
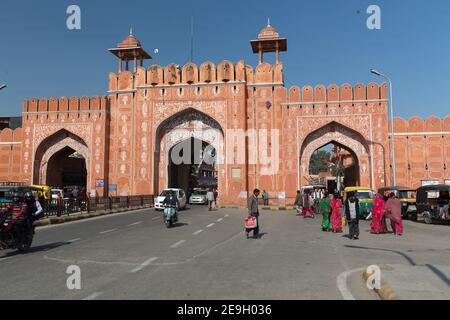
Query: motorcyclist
(19, 211)
(171, 201)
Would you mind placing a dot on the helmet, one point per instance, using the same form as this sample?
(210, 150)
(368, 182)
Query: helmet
(17, 197)
(29, 196)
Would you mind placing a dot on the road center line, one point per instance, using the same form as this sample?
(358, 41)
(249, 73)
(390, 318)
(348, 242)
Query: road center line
(210, 225)
(220, 220)
(74, 240)
(197, 232)
(179, 243)
(143, 265)
(227, 215)
(93, 296)
(135, 224)
(156, 218)
(108, 231)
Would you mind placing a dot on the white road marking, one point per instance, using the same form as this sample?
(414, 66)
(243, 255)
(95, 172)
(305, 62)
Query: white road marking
(179, 243)
(108, 231)
(3, 259)
(220, 220)
(156, 218)
(143, 265)
(210, 225)
(227, 215)
(341, 282)
(135, 224)
(74, 240)
(93, 296)
(197, 232)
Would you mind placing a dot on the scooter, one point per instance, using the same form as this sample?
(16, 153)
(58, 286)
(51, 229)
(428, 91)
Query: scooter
(170, 216)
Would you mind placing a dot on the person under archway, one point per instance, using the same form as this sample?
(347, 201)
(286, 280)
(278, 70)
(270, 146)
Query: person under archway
(378, 224)
(325, 209)
(336, 213)
(307, 205)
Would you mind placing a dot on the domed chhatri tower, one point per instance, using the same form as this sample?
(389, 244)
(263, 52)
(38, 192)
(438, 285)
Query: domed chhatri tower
(130, 49)
(269, 40)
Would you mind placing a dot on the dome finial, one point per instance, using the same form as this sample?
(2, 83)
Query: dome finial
(268, 22)
(131, 31)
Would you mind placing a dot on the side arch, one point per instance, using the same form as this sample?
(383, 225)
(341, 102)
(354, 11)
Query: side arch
(51, 146)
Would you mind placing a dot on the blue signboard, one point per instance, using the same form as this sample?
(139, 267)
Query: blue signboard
(112, 187)
(99, 183)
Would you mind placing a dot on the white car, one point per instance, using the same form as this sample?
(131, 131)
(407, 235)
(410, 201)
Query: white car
(180, 195)
(198, 197)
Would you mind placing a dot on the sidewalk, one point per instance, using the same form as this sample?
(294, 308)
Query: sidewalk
(424, 282)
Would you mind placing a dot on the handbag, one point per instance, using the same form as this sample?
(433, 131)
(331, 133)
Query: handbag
(344, 221)
(251, 222)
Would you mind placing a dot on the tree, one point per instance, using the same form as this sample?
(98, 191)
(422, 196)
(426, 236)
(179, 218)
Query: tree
(319, 162)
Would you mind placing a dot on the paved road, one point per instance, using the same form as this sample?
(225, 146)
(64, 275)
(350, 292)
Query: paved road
(133, 256)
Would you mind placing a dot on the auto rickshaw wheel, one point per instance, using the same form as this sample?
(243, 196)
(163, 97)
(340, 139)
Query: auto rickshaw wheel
(427, 218)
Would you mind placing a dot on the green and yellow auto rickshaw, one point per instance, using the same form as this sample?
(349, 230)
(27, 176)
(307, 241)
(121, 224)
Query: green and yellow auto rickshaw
(365, 197)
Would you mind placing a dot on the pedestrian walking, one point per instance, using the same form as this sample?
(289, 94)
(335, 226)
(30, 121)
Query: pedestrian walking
(336, 213)
(393, 211)
(298, 203)
(351, 213)
(325, 208)
(211, 199)
(378, 224)
(307, 205)
(265, 196)
(253, 211)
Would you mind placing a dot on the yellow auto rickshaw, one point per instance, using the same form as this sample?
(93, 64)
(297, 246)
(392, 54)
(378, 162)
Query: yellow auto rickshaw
(365, 197)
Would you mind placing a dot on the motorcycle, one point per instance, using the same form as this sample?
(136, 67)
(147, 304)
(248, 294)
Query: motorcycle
(14, 234)
(170, 216)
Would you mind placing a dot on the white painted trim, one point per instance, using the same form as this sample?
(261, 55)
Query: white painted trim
(9, 143)
(195, 84)
(437, 133)
(333, 102)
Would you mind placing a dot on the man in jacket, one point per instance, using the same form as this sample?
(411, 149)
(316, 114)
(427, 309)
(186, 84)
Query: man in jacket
(253, 211)
(351, 213)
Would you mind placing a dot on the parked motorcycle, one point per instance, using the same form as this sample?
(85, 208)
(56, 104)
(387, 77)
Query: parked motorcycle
(170, 216)
(14, 233)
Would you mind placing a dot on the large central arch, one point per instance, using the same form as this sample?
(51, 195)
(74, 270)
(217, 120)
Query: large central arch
(335, 133)
(183, 126)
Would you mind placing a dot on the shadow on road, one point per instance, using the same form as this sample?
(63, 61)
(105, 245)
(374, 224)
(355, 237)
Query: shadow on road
(45, 247)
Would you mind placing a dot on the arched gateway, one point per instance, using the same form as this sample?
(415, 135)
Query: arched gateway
(261, 133)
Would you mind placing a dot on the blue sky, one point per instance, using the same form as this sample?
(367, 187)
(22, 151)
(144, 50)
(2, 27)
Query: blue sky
(328, 42)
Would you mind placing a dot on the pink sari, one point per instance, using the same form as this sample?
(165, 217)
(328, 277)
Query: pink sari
(378, 224)
(336, 215)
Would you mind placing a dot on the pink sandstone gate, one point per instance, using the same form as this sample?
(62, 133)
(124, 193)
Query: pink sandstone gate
(125, 136)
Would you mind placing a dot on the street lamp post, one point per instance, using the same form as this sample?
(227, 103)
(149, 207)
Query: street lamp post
(394, 171)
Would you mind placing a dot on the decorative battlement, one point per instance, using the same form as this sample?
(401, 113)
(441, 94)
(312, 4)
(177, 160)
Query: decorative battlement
(192, 74)
(73, 107)
(333, 94)
(422, 127)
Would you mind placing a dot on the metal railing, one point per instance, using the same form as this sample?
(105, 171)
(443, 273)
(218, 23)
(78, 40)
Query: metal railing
(65, 207)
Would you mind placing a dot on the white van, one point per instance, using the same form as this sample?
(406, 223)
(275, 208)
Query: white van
(181, 195)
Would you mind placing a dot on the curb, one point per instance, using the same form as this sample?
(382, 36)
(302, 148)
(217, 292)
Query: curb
(83, 216)
(386, 292)
(283, 208)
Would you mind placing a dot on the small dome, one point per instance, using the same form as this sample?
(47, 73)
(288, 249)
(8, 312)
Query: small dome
(130, 41)
(268, 32)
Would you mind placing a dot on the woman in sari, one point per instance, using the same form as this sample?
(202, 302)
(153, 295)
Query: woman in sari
(378, 224)
(325, 208)
(336, 214)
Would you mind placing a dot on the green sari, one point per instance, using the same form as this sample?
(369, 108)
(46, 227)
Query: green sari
(325, 207)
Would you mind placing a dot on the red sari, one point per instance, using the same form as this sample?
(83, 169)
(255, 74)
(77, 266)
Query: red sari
(336, 215)
(378, 224)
